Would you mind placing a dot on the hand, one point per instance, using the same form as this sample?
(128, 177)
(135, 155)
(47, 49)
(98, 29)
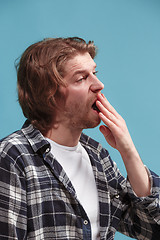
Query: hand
(115, 131)
(117, 135)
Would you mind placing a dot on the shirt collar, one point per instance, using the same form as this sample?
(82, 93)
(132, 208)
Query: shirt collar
(35, 138)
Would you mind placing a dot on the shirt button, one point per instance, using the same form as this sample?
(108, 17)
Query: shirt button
(47, 150)
(85, 222)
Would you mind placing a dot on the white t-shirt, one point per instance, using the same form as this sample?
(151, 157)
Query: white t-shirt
(76, 163)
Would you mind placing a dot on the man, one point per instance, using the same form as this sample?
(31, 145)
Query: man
(58, 183)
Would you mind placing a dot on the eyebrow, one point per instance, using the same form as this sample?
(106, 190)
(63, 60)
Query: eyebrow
(82, 71)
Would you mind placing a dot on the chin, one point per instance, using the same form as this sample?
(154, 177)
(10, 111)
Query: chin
(93, 124)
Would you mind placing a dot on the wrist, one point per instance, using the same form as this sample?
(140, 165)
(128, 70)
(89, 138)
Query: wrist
(129, 152)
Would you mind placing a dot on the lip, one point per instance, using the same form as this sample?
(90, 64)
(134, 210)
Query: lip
(94, 100)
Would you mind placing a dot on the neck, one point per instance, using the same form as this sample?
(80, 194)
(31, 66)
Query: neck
(64, 136)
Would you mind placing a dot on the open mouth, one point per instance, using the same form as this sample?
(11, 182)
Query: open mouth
(95, 107)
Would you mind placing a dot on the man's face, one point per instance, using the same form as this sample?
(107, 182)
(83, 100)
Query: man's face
(77, 99)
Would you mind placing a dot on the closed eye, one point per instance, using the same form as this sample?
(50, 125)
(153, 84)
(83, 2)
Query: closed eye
(83, 78)
(86, 76)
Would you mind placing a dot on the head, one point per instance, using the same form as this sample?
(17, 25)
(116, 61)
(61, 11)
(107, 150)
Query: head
(77, 100)
(40, 74)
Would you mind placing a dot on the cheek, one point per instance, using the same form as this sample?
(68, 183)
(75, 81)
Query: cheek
(60, 99)
(74, 98)
(77, 96)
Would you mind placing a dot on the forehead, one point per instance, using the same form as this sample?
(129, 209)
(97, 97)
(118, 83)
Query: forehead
(79, 63)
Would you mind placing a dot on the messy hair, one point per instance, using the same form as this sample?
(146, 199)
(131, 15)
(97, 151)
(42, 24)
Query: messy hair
(40, 72)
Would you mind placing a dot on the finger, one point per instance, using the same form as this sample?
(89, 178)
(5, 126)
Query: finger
(107, 105)
(104, 130)
(115, 129)
(109, 115)
(108, 135)
(110, 123)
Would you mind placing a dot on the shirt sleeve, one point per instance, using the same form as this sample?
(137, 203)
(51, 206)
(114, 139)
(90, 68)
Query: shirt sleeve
(141, 215)
(13, 209)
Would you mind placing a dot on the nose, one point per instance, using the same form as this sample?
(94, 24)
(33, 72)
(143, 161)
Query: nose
(96, 85)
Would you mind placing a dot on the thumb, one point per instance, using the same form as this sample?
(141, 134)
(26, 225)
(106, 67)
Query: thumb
(104, 130)
(108, 135)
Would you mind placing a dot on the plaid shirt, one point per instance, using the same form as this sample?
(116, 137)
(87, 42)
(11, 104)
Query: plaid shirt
(38, 201)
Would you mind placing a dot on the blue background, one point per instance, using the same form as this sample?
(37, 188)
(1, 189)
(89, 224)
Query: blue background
(127, 33)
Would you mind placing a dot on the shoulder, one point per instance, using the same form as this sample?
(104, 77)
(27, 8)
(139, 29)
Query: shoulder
(11, 142)
(94, 146)
(11, 150)
(27, 140)
(100, 154)
(103, 161)
(23, 147)
(90, 142)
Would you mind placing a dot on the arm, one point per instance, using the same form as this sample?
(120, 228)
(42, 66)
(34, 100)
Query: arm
(13, 210)
(140, 216)
(117, 135)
